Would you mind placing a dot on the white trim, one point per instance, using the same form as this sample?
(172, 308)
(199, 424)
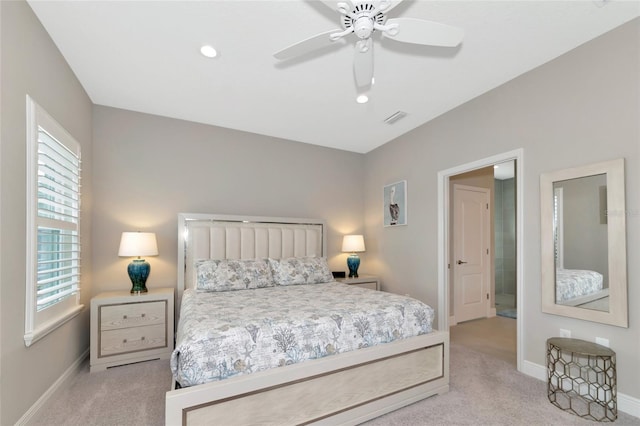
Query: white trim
(38, 324)
(42, 330)
(69, 373)
(534, 370)
(627, 404)
(443, 239)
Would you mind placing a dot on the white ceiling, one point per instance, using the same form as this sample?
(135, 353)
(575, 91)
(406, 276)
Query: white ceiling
(144, 56)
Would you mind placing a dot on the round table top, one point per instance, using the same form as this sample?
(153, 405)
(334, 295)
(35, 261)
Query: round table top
(580, 346)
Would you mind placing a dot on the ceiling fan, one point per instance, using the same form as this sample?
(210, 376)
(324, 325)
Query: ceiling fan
(363, 18)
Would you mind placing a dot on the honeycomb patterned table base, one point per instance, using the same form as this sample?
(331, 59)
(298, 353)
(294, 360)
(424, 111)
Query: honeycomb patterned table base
(582, 378)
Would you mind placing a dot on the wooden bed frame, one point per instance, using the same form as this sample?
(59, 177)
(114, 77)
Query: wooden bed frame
(347, 388)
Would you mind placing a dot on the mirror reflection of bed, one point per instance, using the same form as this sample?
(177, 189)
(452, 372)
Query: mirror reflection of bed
(580, 242)
(581, 288)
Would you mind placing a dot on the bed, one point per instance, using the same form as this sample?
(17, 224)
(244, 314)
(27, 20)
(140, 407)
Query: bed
(575, 287)
(327, 382)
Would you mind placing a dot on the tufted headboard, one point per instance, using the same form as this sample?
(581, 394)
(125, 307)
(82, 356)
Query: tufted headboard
(210, 236)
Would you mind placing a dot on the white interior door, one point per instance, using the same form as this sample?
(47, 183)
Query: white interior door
(471, 237)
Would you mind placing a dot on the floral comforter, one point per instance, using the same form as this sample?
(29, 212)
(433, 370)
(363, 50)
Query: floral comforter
(225, 334)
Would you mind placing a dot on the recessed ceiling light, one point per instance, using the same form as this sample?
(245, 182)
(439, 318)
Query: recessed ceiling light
(208, 51)
(362, 99)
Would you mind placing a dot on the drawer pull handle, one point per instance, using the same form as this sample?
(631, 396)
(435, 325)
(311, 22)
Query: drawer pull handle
(124, 317)
(124, 341)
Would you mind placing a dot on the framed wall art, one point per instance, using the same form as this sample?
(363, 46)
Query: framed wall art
(395, 203)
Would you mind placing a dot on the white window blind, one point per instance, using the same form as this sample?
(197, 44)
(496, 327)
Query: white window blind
(58, 220)
(53, 248)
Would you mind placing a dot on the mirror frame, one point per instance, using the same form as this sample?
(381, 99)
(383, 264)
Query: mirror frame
(617, 246)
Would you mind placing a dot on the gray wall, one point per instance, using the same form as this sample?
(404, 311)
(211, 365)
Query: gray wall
(149, 168)
(581, 108)
(31, 64)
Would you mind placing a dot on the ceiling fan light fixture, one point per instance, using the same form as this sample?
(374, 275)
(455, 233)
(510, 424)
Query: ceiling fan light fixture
(208, 51)
(362, 99)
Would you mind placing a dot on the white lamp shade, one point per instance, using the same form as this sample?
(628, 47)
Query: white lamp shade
(138, 244)
(353, 243)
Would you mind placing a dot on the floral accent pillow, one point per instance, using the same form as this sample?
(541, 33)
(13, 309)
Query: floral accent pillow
(300, 270)
(227, 274)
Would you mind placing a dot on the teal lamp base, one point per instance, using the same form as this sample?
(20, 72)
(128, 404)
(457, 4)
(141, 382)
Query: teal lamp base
(353, 262)
(138, 273)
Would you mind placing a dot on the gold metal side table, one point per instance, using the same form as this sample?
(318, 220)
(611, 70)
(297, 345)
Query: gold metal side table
(582, 378)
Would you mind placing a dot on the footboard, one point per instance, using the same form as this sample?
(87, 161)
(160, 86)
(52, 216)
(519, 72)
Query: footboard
(343, 389)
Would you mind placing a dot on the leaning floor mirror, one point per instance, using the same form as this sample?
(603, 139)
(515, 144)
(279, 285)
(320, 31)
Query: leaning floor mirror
(583, 240)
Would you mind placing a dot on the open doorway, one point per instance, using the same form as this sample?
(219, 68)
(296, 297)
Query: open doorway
(505, 267)
(447, 255)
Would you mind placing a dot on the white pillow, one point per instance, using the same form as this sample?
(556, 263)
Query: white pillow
(227, 274)
(300, 270)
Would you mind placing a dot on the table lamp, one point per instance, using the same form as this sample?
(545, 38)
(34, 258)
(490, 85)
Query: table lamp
(353, 244)
(138, 244)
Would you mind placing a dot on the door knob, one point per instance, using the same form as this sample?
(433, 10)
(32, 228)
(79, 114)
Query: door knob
(460, 262)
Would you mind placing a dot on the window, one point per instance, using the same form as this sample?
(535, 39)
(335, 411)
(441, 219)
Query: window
(558, 228)
(53, 225)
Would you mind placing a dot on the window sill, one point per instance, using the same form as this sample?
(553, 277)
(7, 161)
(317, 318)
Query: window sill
(33, 336)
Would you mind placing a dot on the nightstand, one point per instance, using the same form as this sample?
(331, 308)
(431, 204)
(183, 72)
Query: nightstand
(365, 281)
(128, 328)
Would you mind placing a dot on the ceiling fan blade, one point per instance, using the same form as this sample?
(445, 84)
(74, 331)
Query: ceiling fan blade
(386, 5)
(363, 64)
(340, 6)
(305, 46)
(418, 31)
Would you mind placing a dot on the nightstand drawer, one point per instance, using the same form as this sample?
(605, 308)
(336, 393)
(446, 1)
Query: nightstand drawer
(114, 342)
(132, 315)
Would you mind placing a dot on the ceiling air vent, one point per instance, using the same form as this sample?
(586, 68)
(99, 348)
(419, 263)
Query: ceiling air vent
(394, 117)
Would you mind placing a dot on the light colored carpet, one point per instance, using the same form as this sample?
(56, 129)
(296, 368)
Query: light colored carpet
(494, 336)
(484, 391)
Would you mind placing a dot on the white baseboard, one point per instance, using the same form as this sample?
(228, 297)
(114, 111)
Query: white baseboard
(627, 404)
(70, 372)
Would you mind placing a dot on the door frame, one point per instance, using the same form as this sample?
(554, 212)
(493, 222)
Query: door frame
(444, 198)
(486, 272)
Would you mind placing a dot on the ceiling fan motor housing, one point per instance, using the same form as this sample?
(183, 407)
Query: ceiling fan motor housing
(362, 19)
